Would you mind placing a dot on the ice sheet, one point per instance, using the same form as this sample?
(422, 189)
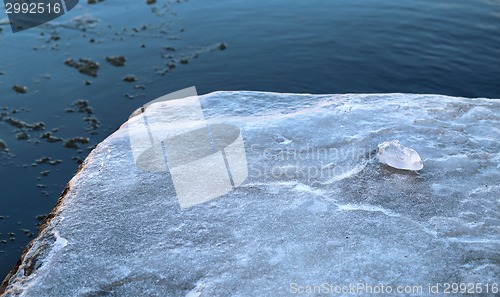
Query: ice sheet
(316, 208)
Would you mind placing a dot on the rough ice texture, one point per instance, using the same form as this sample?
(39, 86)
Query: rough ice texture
(315, 208)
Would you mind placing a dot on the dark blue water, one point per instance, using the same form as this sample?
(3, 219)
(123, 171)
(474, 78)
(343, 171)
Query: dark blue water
(440, 47)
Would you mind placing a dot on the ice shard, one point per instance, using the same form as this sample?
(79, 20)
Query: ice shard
(393, 154)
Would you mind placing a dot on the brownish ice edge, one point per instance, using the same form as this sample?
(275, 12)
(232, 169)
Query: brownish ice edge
(42, 227)
(46, 222)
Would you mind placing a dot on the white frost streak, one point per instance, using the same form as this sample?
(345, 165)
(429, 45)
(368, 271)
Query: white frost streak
(368, 208)
(357, 169)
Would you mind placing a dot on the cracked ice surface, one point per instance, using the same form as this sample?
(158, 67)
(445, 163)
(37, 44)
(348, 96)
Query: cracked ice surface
(316, 207)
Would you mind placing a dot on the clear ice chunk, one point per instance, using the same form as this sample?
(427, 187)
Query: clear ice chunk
(395, 155)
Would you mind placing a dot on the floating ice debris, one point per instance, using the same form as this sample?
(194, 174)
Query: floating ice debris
(3, 146)
(84, 66)
(393, 154)
(20, 89)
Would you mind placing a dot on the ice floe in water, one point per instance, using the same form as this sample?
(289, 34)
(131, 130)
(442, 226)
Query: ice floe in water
(316, 207)
(393, 154)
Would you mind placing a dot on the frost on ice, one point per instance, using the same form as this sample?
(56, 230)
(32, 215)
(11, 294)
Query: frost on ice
(393, 154)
